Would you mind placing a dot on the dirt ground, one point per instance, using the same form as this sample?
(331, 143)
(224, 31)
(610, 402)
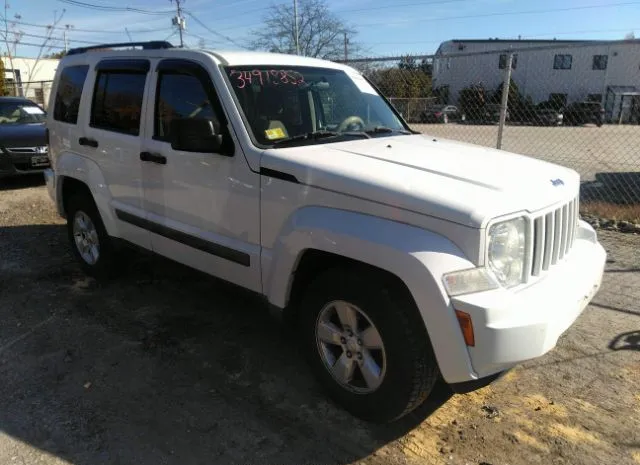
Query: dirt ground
(168, 366)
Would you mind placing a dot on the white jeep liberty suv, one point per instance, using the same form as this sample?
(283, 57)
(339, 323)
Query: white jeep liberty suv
(402, 258)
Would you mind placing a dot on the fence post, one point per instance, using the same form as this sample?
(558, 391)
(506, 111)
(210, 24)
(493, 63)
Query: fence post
(505, 100)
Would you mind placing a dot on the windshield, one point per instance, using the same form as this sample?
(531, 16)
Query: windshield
(284, 103)
(21, 113)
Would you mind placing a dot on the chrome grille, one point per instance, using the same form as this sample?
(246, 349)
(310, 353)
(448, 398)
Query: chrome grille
(27, 150)
(553, 236)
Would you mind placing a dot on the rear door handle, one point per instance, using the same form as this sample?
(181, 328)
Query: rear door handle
(153, 158)
(89, 142)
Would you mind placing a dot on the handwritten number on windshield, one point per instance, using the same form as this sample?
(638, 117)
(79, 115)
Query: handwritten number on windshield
(273, 77)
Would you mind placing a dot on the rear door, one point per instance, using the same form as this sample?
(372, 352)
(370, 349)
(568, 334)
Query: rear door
(112, 137)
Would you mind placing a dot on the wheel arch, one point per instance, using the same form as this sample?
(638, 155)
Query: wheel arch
(315, 237)
(76, 173)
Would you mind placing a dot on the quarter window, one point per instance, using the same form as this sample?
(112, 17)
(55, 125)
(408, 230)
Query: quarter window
(67, 102)
(181, 96)
(562, 61)
(117, 101)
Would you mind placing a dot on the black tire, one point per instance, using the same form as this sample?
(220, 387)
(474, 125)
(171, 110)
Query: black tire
(104, 266)
(411, 367)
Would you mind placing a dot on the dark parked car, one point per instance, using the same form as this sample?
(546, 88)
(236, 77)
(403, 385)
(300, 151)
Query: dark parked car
(491, 113)
(584, 113)
(547, 117)
(440, 114)
(23, 142)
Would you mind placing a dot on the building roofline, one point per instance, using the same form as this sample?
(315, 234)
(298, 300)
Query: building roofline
(541, 41)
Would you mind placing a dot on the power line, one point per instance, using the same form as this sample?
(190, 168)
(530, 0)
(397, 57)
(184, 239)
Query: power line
(55, 38)
(128, 9)
(228, 39)
(91, 31)
(524, 37)
(482, 15)
(505, 13)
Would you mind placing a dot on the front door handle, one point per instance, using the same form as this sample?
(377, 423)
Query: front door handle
(153, 158)
(88, 142)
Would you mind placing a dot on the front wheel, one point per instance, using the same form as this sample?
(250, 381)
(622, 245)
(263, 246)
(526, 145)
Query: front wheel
(367, 345)
(90, 243)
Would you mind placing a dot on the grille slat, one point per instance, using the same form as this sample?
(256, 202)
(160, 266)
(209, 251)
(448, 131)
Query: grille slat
(553, 236)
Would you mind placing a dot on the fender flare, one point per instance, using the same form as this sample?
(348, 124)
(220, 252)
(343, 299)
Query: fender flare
(74, 166)
(416, 256)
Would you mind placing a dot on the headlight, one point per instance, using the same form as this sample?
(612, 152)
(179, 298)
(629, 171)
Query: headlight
(507, 242)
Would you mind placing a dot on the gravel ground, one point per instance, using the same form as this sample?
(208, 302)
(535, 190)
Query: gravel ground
(167, 366)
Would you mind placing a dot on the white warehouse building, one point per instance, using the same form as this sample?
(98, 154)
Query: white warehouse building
(563, 71)
(30, 78)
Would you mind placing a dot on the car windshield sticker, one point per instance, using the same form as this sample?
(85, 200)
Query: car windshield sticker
(265, 77)
(33, 110)
(275, 133)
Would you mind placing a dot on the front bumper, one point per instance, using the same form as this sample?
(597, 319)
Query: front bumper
(15, 164)
(513, 326)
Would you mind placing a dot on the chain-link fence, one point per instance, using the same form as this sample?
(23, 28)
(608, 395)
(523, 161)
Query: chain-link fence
(576, 104)
(37, 91)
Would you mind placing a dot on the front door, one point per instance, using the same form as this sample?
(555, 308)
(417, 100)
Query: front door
(202, 208)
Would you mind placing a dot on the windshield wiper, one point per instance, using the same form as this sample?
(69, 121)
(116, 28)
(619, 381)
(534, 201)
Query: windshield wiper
(315, 135)
(385, 130)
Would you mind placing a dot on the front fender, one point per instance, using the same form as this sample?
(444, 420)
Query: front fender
(72, 165)
(417, 256)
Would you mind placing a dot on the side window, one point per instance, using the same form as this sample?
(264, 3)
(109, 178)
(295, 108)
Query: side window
(68, 95)
(117, 101)
(180, 96)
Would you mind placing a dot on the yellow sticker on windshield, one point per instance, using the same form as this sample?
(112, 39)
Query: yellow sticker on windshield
(275, 133)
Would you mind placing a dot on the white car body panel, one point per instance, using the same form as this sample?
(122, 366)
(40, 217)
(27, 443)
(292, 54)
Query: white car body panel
(412, 205)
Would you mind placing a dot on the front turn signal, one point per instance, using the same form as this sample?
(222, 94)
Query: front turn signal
(466, 326)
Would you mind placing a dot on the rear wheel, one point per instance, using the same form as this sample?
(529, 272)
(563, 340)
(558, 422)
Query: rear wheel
(366, 344)
(90, 243)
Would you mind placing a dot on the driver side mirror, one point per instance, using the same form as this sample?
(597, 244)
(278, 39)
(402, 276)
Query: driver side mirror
(195, 135)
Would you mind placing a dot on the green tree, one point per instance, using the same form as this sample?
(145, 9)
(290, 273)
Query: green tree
(3, 88)
(472, 100)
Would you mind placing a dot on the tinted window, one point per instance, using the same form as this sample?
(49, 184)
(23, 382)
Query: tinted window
(117, 101)
(562, 61)
(181, 96)
(600, 62)
(69, 92)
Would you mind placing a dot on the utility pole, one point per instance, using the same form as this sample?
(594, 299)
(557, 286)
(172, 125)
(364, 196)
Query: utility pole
(295, 26)
(504, 105)
(67, 27)
(346, 42)
(128, 35)
(178, 20)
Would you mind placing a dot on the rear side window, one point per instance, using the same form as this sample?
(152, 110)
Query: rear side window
(117, 101)
(68, 95)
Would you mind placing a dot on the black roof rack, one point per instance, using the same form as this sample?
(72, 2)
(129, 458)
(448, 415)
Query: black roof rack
(150, 45)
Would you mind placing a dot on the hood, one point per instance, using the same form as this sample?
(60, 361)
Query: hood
(22, 135)
(454, 181)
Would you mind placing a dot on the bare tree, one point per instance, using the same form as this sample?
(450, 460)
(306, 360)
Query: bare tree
(321, 34)
(630, 36)
(12, 36)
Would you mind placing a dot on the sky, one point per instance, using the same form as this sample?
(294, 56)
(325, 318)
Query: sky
(384, 27)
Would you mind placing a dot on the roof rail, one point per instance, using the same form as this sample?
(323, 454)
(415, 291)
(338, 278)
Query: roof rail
(150, 45)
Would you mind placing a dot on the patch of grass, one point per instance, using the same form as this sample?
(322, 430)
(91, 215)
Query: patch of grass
(611, 211)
